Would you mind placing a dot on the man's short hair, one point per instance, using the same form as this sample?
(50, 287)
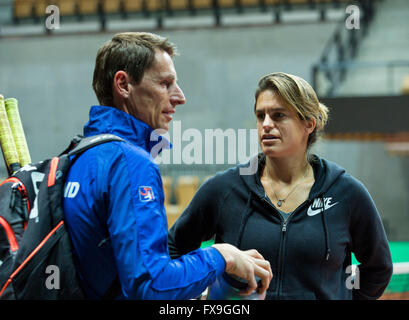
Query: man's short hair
(132, 52)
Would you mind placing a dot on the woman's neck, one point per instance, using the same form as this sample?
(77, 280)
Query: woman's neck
(287, 170)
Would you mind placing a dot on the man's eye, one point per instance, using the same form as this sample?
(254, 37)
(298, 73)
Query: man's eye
(260, 116)
(166, 84)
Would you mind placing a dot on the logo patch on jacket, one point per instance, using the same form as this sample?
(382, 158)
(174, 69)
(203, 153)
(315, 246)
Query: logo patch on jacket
(319, 206)
(146, 194)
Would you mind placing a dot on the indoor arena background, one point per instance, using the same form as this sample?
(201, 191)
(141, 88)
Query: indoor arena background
(357, 61)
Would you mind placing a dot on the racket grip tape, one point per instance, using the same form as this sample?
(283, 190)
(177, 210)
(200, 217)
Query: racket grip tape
(11, 105)
(7, 141)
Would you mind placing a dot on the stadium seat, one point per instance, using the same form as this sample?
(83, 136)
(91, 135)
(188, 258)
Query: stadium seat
(26, 8)
(271, 2)
(405, 85)
(167, 188)
(22, 8)
(133, 5)
(185, 190)
(202, 4)
(67, 7)
(178, 4)
(172, 213)
(40, 6)
(154, 5)
(227, 3)
(112, 6)
(301, 1)
(88, 6)
(250, 3)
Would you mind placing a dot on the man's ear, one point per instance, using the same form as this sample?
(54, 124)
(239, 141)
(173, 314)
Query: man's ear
(120, 84)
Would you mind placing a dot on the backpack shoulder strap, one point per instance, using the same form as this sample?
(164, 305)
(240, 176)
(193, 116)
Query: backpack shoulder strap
(83, 145)
(74, 142)
(89, 142)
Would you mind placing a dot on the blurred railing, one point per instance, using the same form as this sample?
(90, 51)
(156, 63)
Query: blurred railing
(341, 49)
(28, 8)
(35, 10)
(327, 78)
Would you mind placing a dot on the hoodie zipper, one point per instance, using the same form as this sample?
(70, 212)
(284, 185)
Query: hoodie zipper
(282, 244)
(282, 247)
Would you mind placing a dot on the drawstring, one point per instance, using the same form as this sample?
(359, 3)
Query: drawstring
(249, 211)
(324, 223)
(246, 216)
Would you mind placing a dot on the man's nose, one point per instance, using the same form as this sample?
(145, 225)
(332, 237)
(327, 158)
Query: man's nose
(177, 97)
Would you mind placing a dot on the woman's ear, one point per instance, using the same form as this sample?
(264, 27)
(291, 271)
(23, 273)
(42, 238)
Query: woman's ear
(310, 125)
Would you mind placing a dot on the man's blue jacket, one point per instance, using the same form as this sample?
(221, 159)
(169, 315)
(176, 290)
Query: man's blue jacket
(116, 219)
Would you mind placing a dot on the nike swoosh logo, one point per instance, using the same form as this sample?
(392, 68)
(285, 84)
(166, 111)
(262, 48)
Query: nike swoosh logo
(312, 212)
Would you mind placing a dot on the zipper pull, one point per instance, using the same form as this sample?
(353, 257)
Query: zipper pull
(13, 195)
(284, 229)
(25, 209)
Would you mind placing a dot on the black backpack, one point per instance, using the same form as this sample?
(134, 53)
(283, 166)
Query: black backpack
(36, 259)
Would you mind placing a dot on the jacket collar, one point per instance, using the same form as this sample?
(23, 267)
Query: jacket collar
(103, 119)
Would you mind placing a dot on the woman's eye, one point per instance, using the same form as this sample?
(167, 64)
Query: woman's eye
(278, 115)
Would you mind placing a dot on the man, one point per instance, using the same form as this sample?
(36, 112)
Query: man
(116, 219)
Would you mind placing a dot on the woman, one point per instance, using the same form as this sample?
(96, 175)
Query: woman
(303, 213)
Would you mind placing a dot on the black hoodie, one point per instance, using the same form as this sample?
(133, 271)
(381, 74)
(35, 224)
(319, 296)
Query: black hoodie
(310, 252)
